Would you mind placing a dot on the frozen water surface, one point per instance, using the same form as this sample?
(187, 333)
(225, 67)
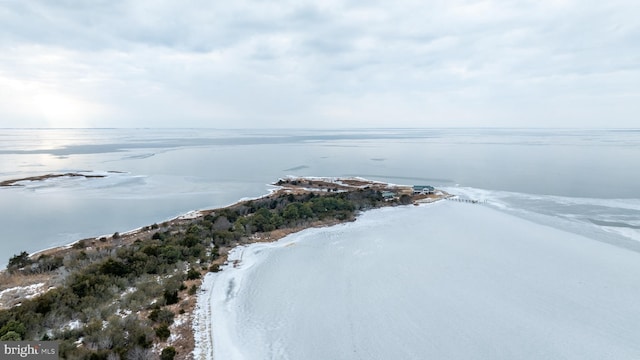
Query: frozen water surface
(157, 174)
(442, 281)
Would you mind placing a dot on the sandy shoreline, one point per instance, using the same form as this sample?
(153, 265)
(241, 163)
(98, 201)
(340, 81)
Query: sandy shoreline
(340, 183)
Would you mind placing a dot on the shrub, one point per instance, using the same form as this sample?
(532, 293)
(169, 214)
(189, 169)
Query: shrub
(163, 332)
(162, 316)
(341, 216)
(168, 353)
(171, 254)
(13, 327)
(171, 297)
(193, 274)
(45, 263)
(193, 289)
(137, 353)
(405, 199)
(114, 267)
(19, 261)
(11, 336)
(190, 240)
(79, 245)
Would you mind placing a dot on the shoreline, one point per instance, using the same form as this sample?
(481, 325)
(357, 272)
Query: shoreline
(203, 212)
(289, 186)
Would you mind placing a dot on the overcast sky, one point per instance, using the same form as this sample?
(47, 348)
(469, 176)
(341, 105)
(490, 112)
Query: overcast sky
(257, 63)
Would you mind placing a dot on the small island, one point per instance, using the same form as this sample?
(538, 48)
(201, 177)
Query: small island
(132, 295)
(21, 181)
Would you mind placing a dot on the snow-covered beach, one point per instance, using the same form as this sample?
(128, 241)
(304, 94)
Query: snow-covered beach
(444, 281)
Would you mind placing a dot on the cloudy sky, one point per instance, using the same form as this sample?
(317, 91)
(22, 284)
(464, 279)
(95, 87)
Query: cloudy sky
(258, 63)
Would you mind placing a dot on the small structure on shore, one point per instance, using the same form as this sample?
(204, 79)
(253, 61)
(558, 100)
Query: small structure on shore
(389, 195)
(423, 189)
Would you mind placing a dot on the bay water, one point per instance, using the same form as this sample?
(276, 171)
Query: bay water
(585, 181)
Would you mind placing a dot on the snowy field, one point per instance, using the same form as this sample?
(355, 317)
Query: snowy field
(442, 281)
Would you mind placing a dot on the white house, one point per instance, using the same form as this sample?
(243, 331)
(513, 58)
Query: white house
(423, 189)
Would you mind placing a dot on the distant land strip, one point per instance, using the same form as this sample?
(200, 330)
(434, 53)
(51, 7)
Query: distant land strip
(16, 182)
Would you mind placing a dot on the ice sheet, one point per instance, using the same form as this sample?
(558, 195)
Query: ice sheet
(440, 281)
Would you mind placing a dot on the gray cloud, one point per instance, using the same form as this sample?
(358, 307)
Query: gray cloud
(291, 64)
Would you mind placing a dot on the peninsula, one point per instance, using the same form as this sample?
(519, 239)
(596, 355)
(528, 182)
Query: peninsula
(133, 294)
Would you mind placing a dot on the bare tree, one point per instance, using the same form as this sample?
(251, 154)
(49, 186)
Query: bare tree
(138, 353)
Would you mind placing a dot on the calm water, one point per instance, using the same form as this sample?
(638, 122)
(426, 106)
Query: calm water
(588, 180)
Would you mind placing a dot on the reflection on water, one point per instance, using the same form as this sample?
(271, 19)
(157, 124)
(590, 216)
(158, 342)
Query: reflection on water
(169, 172)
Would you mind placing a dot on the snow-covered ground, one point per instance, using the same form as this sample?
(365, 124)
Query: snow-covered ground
(9, 296)
(446, 280)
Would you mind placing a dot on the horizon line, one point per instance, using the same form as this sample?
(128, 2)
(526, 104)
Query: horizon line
(325, 129)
